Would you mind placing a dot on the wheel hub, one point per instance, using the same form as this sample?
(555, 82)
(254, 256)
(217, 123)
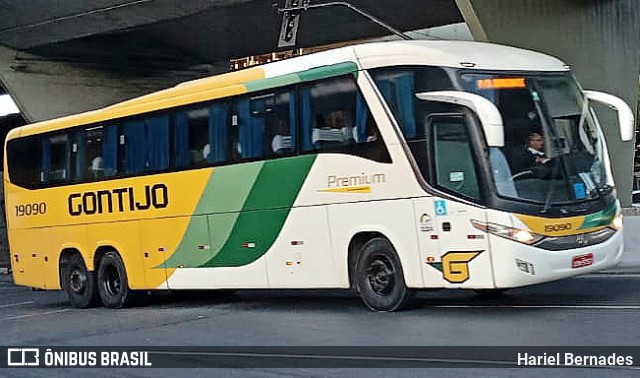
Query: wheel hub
(112, 282)
(78, 281)
(380, 275)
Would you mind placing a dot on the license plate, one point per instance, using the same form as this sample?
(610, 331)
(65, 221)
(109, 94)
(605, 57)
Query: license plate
(582, 260)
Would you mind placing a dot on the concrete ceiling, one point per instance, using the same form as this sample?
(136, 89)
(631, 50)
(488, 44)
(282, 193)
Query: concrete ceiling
(140, 35)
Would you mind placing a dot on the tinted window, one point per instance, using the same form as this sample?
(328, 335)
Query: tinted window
(88, 161)
(399, 86)
(332, 115)
(202, 135)
(25, 161)
(266, 126)
(145, 144)
(452, 156)
(56, 158)
(335, 118)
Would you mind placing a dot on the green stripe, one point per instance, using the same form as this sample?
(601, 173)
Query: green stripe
(245, 203)
(228, 188)
(272, 82)
(265, 211)
(300, 77)
(328, 71)
(224, 195)
(601, 218)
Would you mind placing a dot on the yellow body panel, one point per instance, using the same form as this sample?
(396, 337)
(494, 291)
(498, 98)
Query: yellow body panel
(142, 236)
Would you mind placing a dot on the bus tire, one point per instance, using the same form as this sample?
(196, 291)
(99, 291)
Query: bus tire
(78, 283)
(379, 277)
(113, 284)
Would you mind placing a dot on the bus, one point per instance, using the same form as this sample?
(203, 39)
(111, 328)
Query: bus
(383, 167)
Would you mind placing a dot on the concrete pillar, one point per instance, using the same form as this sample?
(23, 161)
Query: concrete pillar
(45, 89)
(599, 39)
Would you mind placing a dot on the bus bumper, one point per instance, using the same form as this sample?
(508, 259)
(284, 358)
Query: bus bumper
(517, 264)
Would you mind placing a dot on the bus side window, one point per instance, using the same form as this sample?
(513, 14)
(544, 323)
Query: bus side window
(146, 144)
(201, 135)
(280, 128)
(335, 117)
(216, 150)
(251, 128)
(266, 125)
(88, 155)
(191, 133)
(25, 161)
(328, 114)
(56, 158)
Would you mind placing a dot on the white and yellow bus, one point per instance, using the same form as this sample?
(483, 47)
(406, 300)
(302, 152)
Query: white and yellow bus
(386, 167)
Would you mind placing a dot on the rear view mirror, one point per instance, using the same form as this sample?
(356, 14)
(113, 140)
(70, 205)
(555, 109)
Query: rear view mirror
(486, 111)
(625, 115)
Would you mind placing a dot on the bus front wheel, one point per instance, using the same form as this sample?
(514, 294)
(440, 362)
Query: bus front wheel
(379, 277)
(78, 283)
(112, 282)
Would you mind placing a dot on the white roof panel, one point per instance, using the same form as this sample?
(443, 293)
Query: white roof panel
(460, 54)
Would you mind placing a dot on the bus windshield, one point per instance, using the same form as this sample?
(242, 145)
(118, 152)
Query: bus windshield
(553, 146)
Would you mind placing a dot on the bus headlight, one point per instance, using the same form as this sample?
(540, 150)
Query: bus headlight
(517, 234)
(616, 223)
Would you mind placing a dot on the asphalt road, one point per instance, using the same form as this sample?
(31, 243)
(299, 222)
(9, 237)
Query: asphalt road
(598, 309)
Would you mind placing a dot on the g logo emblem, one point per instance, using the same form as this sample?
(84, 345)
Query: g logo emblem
(455, 265)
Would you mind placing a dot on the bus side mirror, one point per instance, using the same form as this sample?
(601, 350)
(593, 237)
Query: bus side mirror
(625, 115)
(486, 111)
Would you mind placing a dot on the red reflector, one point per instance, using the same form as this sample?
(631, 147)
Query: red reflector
(582, 260)
(434, 237)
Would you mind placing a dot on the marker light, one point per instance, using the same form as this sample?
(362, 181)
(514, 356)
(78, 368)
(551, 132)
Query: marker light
(516, 234)
(501, 83)
(616, 223)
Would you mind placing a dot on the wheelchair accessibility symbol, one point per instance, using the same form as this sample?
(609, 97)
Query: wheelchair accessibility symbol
(441, 207)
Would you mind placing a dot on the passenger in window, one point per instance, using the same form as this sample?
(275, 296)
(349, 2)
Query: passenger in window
(206, 150)
(196, 156)
(282, 144)
(372, 130)
(332, 133)
(97, 167)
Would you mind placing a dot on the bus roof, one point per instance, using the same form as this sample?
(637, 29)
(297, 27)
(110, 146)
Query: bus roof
(469, 55)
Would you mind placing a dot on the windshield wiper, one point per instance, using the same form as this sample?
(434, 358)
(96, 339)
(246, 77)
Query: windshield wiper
(550, 188)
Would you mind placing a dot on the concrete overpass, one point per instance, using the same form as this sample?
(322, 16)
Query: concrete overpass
(75, 56)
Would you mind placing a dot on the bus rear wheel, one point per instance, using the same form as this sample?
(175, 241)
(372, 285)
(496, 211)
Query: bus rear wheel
(113, 285)
(78, 283)
(379, 278)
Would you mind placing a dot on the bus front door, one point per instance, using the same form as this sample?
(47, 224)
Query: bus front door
(459, 252)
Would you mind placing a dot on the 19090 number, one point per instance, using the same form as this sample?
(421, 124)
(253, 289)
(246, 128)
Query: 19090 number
(31, 209)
